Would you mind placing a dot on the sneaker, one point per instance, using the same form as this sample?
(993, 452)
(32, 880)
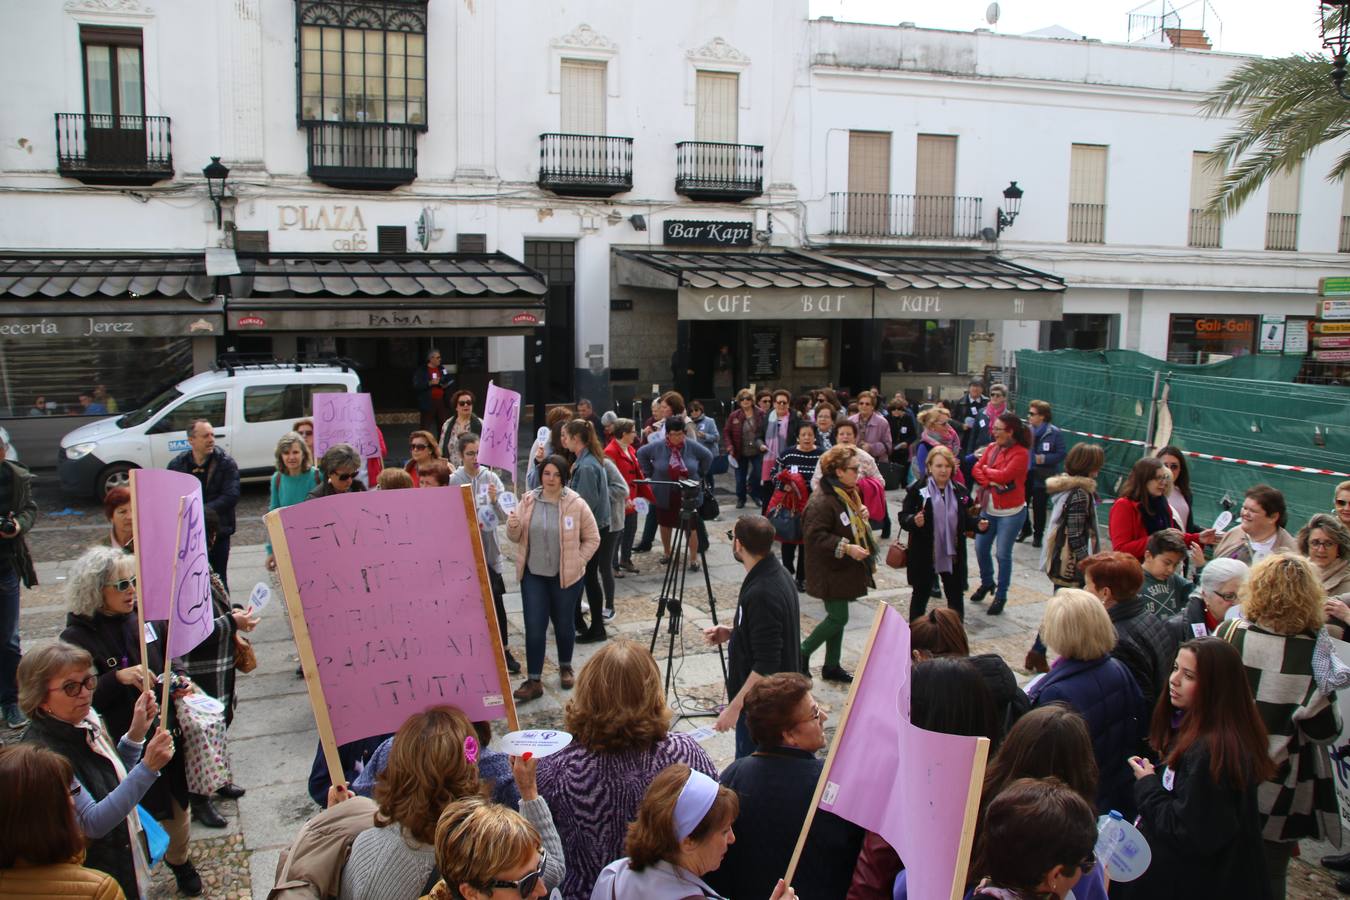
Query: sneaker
(14, 717)
(530, 689)
(609, 613)
(585, 607)
(189, 882)
(512, 665)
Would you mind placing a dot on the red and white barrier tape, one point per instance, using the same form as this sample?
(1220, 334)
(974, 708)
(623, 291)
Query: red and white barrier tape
(1282, 467)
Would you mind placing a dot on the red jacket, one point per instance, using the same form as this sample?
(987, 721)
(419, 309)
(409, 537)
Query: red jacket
(1127, 531)
(627, 462)
(1008, 466)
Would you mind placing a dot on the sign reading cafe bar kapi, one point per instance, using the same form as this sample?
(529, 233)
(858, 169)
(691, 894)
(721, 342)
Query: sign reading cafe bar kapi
(691, 233)
(860, 303)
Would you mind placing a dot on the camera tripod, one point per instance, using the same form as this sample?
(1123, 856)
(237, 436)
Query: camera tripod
(671, 598)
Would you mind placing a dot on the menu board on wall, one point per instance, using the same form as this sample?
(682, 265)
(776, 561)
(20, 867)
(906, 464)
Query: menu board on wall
(765, 353)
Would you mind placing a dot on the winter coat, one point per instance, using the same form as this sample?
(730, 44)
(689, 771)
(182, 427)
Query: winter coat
(831, 575)
(1182, 625)
(61, 880)
(24, 510)
(627, 461)
(708, 436)
(1047, 442)
(421, 382)
(617, 486)
(1205, 836)
(1128, 532)
(921, 538)
(1003, 465)
(904, 431)
(1010, 701)
(970, 421)
(325, 489)
(1073, 535)
(1138, 628)
(578, 543)
(589, 480)
(875, 435)
(220, 488)
(737, 422)
(662, 881)
(1104, 693)
(655, 462)
(312, 865)
(1235, 545)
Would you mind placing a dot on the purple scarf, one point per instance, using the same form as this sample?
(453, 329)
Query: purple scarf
(945, 514)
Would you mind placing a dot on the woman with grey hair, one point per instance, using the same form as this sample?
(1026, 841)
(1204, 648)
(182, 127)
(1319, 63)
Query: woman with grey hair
(1220, 580)
(1326, 543)
(101, 598)
(340, 464)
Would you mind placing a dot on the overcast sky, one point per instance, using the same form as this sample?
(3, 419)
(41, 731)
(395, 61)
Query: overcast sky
(1249, 26)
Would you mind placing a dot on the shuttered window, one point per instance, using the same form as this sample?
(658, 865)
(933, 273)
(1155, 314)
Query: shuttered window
(1087, 194)
(582, 89)
(716, 106)
(1282, 214)
(1344, 245)
(391, 238)
(869, 181)
(935, 185)
(1204, 228)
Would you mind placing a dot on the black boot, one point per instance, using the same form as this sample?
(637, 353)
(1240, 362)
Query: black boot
(230, 791)
(984, 591)
(1341, 862)
(204, 811)
(594, 634)
(996, 608)
(189, 882)
(1023, 535)
(512, 665)
(835, 673)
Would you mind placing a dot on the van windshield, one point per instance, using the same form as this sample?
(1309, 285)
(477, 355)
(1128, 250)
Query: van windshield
(139, 416)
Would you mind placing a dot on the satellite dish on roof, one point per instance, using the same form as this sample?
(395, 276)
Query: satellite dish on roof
(992, 13)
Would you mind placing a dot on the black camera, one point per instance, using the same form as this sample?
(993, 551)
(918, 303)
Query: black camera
(8, 524)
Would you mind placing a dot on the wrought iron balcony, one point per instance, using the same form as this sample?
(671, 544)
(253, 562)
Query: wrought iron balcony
(104, 149)
(905, 215)
(710, 170)
(362, 155)
(1206, 230)
(585, 165)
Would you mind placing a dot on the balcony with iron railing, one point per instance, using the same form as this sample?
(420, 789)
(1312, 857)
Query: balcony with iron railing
(370, 156)
(1087, 223)
(585, 165)
(711, 170)
(105, 149)
(1205, 230)
(1281, 231)
(1344, 245)
(905, 216)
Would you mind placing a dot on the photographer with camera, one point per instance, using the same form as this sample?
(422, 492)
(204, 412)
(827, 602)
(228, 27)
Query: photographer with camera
(18, 512)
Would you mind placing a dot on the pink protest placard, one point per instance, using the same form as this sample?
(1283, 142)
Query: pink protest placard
(394, 605)
(501, 427)
(918, 789)
(173, 574)
(345, 418)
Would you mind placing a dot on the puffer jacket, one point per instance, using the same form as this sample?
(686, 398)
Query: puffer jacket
(1104, 693)
(578, 543)
(63, 880)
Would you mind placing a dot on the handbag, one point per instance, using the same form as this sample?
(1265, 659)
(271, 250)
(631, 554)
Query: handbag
(245, 659)
(897, 555)
(787, 524)
(204, 756)
(708, 509)
(719, 466)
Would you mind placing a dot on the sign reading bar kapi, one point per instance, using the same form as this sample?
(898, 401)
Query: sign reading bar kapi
(970, 304)
(859, 303)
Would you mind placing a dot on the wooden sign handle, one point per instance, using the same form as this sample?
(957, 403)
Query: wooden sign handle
(489, 606)
(168, 626)
(146, 684)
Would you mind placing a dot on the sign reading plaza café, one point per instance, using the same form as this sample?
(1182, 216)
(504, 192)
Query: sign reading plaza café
(867, 303)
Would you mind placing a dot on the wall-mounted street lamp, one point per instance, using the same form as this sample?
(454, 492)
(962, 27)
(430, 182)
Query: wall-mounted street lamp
(1336, 38)
(215, 175)
(1012, 200)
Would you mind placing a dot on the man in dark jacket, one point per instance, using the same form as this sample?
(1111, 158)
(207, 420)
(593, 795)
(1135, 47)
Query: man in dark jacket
(967, 413)
(430, 383)
(766, 638)
(18, 512)
(219, 475)
(1143, 642)
(1047, 456)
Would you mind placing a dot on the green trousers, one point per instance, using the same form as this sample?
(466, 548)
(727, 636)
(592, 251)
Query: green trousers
(829, 632)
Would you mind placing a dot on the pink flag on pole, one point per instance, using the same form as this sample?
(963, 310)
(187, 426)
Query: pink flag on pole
(501, 427)
(345, 418)
(175, 577)
(909, 785)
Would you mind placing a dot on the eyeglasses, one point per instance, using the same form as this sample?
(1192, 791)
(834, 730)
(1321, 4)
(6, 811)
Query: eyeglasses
(731, 535)
(345, 476)
(1321, 545)
(998, 394)
(1228, 597)
(420, 446)
(74, 688)
(306, 433)
(525, 885)
(124, 584)
(814, 717)
(75, 789)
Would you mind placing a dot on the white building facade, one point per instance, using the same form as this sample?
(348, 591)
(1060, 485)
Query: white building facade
(590, 199)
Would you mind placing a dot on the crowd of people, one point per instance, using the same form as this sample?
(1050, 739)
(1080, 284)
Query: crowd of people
(1192, 690)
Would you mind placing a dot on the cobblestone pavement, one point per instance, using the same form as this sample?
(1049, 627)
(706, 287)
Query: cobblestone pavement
(273, 740)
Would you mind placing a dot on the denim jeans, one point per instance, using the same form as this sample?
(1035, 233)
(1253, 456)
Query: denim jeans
(1004, 530)
(747, 479)
(545, 600)
(9, 633)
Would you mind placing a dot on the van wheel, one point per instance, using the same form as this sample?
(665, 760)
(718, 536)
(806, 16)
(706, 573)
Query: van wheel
(118, 475)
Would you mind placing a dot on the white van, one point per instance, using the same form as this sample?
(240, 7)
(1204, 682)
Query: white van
(250, 407)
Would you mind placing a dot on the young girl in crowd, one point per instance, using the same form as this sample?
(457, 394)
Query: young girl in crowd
(1199, 812)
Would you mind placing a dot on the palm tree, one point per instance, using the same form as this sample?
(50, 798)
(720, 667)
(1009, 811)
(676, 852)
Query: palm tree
(1285, 107)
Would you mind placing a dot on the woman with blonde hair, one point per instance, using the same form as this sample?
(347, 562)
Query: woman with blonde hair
(1283, 604)
(619, 722)
(1088, 680)
(482, 848)
(935, 422)
(295, 476)
(937, 513)
(433, 761)
(423, 449)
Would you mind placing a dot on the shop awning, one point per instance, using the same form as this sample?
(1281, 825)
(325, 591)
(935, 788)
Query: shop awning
(766, 285)
(956, 286)
(107, 295)
(370, 292)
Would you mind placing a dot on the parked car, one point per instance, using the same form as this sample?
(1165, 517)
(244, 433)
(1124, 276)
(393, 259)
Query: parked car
(11, 452)
(250, 406)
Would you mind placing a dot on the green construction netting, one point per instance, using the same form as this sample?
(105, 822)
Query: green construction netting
(1245, 408)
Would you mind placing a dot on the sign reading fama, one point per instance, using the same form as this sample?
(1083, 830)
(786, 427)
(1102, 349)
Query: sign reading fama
(708, 234)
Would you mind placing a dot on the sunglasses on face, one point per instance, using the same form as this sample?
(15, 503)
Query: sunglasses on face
(345, 476)
(124, 584)
(525, 885)
(419, 446)
(465, 403)
(74, 688)
(1343, 502)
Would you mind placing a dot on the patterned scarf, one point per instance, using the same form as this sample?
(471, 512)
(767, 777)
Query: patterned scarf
(857, 519)
(678, 469)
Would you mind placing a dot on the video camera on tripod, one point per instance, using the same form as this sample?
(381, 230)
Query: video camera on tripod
(688, 488)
